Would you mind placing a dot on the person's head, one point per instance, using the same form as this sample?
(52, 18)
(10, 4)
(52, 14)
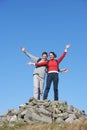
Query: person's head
(52, 55)
(44, 55)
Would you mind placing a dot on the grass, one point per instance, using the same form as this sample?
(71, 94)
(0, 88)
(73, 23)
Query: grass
(77, 125)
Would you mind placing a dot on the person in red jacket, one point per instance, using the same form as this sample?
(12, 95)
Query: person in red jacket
(52, 72)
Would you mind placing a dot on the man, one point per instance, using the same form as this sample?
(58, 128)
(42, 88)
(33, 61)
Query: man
(38, 74)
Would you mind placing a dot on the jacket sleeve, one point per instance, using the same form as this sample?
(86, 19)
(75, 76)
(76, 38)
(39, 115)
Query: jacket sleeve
(61, 57)
(34, 58)
(43, 63)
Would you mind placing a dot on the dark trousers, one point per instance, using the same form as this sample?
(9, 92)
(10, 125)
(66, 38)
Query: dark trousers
(55, 78)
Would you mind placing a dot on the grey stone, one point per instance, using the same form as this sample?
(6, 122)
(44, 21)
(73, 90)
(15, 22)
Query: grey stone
(13, 119)
(58, 120)
(42, 111)
(69, 120)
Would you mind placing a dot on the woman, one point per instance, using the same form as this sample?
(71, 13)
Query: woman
(52, 72)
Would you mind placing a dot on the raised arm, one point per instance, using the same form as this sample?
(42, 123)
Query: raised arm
(64, 53)
(34, 58)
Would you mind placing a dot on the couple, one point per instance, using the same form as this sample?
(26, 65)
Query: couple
(42, 66)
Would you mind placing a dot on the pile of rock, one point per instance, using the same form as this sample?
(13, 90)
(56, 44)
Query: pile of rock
(42, 111)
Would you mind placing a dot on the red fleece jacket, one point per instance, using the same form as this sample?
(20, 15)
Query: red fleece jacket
(52, 65)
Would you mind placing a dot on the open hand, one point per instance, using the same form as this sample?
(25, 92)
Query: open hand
(65, 70)
(31, 63)
(23, 49)
(67, 46)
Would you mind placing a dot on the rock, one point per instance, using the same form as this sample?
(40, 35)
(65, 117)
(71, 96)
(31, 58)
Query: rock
(59, 120)
(71, 118)
(43, 111)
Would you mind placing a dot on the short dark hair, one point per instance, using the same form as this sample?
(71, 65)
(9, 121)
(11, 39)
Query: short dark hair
(53, 54)
(45, 53)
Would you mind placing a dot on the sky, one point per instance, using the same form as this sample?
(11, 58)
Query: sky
(42, 25)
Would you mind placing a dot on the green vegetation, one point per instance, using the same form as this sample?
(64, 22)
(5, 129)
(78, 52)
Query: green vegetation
(77, 125)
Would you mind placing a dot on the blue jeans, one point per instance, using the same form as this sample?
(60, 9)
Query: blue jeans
(55, 78)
